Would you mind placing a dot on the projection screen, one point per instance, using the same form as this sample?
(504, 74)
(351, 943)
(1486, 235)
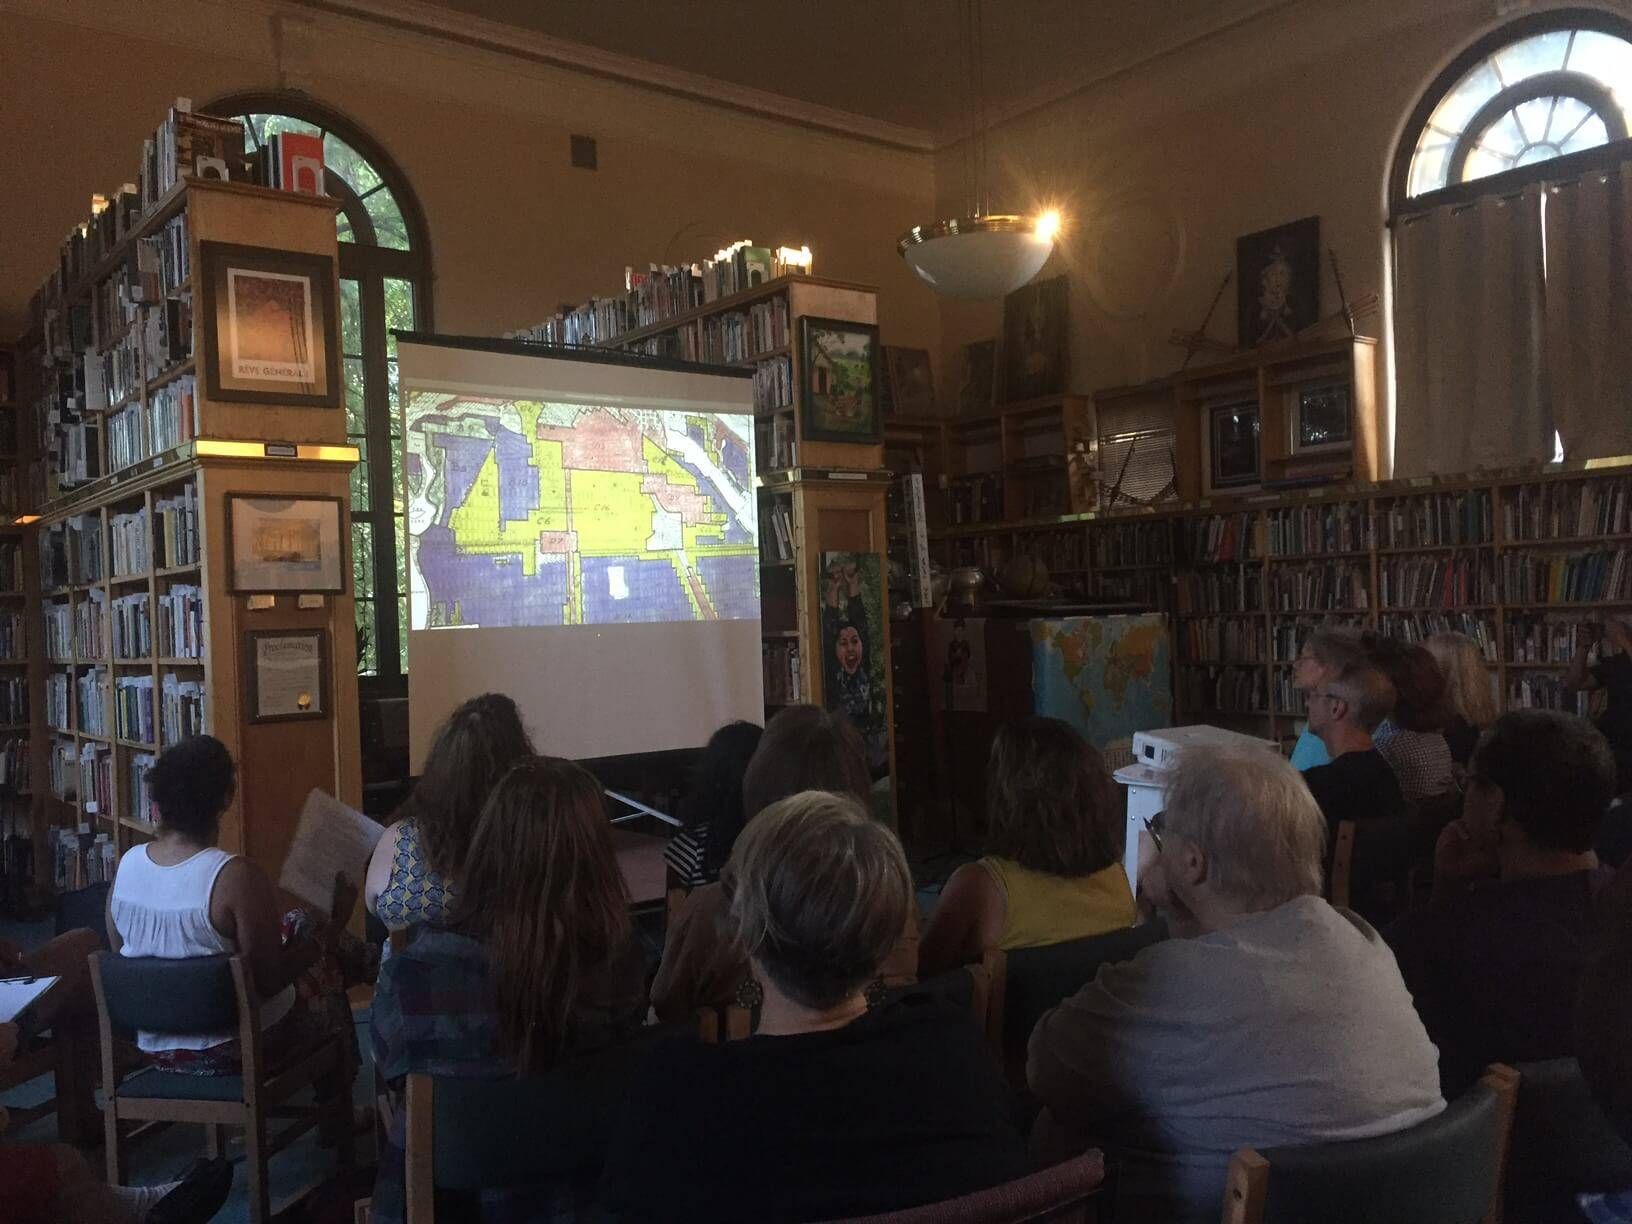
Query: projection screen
(582, 535)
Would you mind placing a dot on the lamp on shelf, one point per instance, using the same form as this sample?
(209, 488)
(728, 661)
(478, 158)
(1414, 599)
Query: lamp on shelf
(983, 254)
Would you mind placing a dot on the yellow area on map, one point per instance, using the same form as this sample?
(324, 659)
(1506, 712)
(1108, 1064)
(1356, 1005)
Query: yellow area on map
(479, 527)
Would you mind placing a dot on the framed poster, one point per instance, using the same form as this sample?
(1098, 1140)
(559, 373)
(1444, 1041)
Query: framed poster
(287, 543)
(1318, 418)
(841, 380)
(1277, 276)
(286, 673)
(1036, 349)
(269, 318)
(911, 381)
(854, 629)
(977, 392)
(1232, 444)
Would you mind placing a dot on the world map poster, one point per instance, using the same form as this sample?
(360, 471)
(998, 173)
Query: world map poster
(526, 512)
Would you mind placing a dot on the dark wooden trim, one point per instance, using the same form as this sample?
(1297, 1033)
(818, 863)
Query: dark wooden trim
(573, 352)
(252, 679)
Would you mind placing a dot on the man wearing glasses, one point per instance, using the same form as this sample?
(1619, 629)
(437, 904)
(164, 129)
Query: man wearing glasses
(1359, 783)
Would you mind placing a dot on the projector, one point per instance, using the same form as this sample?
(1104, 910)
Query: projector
(1159, 749)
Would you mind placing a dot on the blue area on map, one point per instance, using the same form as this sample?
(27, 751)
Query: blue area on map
(518, 478)
(655, 593)
(495, 591)
(694, 431)
(733, 531)
(734, 459)
(732, 584)
(462, 461)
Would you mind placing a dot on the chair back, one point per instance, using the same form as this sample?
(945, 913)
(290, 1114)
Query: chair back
(1562, 1143)
(84, 907)
(1447, 1170)
(1058, 1193)
(197, 995)
(1371, 866)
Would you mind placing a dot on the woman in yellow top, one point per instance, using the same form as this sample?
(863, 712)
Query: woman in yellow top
(1053, 870)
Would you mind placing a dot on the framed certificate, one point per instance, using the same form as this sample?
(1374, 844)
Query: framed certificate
(287, 674)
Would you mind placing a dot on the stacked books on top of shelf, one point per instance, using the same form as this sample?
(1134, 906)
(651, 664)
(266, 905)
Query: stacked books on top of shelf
(189, 143)
(1434, 520)
(1339, 527)
(1601, 575)
(1568, 509)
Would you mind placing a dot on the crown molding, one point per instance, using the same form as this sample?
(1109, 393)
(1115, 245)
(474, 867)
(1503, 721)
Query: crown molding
(412, 17)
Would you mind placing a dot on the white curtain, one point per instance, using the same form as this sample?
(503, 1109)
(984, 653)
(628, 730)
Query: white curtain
(1589, 312)
(1468, 324)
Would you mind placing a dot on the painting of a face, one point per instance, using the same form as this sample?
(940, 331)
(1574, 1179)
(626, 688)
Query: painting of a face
(847, 649)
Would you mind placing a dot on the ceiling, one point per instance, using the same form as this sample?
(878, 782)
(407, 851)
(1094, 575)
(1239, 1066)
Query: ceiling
(899, 61)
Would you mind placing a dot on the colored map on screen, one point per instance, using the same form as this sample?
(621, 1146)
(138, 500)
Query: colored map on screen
(522, 512)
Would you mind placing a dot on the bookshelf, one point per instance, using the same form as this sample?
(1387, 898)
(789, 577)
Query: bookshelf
(139, 633)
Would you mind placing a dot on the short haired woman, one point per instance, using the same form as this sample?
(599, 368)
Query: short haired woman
(803, 748)
(1412, 738)
(832, 1110)
(415, 869)
(534, 961)
(1467, 691)
(1052, 871)
(1324, 654)
(179, 896)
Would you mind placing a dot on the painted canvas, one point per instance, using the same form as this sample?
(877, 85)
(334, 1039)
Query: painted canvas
(841, 381)
(1277, 276)
(1035, 344)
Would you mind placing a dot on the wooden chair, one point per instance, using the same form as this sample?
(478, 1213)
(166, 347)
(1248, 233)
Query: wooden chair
(66, 1051)
(1448, 1170)
(1372, 865)
(1061, 1193)
(733, 1022)
(467, 1134)
(208, 995)
(1025, 983)
(1562, 1144)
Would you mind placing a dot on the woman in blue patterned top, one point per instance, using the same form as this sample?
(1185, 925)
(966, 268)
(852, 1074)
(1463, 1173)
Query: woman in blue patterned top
(416, 866)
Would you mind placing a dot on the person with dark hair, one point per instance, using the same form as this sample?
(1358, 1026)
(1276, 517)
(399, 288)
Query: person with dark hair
(179, 896)
(1412, 738)
(1053, 864)
(1358, 784)
(1612, 673)
(534, 961)
(414, 872)
(803, 748)
(1324, 653)
(832, 1110)
(1494, 961)
(712, 808)
(847, 652)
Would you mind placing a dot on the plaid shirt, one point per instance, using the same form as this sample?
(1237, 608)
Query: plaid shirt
(435, 1011)
(1421, 760)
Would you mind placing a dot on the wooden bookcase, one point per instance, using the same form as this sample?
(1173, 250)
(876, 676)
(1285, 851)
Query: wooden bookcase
(234, 448)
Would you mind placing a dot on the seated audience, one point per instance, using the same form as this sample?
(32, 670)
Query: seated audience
(712, 808)
(1613, 674)
(1270, 1019)
(179, 896)
(1411, 738)
(413, 873)
(1468, 691)
(704, 965)
(831, 1110)
(1324, 653)
(534, 961)
(1603, 1030)
(1495, 959)
(1053, 867)
(1358, 784)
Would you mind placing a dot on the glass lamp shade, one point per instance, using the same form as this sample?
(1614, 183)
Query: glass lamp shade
(977, 257)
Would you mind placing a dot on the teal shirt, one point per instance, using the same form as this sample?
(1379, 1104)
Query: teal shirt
(1310, 751)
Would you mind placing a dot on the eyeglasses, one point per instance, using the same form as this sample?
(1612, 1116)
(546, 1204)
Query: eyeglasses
(1153, 826)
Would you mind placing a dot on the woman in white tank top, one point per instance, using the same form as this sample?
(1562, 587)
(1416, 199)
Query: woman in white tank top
(180, 897)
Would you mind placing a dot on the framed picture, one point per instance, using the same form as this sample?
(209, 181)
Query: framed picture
(977, 392)
(1318, 418)
(269, 319)
(1036, 352)
(841, 380)
(289, 543)
(911, 382)
(287, 674)
(1232, 444)
(1277, 276)
(855, 626)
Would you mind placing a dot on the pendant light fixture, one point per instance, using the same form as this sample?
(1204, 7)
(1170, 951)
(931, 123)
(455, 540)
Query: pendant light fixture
(983, 254)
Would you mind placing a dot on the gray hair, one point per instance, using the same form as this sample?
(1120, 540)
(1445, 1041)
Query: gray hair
(819, 892)
(1366, 691)
(1250, 813)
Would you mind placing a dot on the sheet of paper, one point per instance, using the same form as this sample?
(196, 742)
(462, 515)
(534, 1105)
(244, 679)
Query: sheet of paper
(18, 993)
(330, 838)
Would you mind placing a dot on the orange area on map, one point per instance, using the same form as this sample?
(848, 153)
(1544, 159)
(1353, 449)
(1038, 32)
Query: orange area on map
(598, 442)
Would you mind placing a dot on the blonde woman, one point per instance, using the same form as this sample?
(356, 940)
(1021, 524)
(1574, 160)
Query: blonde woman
(1468, 689)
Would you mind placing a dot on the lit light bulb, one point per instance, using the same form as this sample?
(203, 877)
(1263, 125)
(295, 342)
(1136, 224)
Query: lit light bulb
(1048, 224)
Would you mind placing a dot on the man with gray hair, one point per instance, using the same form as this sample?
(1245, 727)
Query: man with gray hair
(1270, 1019)
(1358, 783)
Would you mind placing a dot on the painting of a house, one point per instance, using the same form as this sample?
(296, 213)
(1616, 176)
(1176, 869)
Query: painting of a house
(841, 381)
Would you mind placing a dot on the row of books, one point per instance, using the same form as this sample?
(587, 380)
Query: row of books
(1231, 639)
(76, 454)
(1436, 582)
(1221, 537)
(773, 384)
(15, 768)
(85, 546)
(1219, 590)
(1598, 576)
(1121, 544)
(129, 536)
(58, 619)
(1059, 551)
(137, 431)
(10, 488)
(1420, 626)
(1543, 639)
(1137, 586)
(132, 627)
(11, 566)
(13, 636)
(1538, 691)
(737, 335)
(175, 533)
(977, 498)
(1289, 698)
(188, 143)
(182, 708)
(63, 764)
(1435, 519)
(1319, 586)
(14, 699)
(181, 622)
(133, 708)
(96, 779)
(139, 788)
(164, 260)
(89, 641)
(784, 683)
(1229, 689)
(775, 447)
(91, 694)
(57, 691)
(1568, 509)
(776, 532)
(1287, 636)
(1340, 527)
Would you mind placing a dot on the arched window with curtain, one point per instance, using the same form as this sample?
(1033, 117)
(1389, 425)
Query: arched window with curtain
(385, 279)
(1511, 209)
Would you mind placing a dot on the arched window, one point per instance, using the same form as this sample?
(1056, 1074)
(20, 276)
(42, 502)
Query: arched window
(385, 278)
(1537, 99)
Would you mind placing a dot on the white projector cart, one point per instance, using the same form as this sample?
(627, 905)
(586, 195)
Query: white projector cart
(1146, 779)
